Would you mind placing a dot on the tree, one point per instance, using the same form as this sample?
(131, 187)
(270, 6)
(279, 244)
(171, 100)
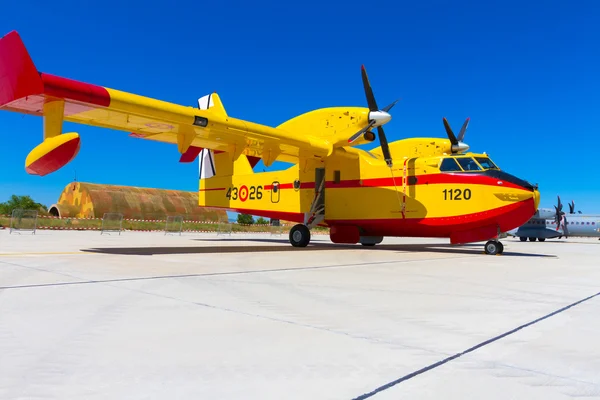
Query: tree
(262, 221)
(23, 202)
(245, 219)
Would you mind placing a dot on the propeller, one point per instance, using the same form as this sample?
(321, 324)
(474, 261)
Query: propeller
(377, 118)
(458, 146)
(572, 207)
(561, 219)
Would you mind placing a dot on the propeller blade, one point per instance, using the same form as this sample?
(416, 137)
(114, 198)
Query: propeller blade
(461, 134)
(559, 203)
(558, 214)
(361, 132)
(565, 229)
(373, 107)
(389, 106)
(449, 132)
(368, 91)
(384, 146)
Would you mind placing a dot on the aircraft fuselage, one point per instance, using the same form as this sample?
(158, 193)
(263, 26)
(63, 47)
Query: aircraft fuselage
(437, 195)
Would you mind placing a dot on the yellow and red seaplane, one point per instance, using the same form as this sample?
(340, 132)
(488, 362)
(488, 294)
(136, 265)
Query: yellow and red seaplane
(422, 187)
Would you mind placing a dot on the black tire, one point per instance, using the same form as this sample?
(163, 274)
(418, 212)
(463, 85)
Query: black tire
(299, 235)
(368, 244)
(532, 239)
(523, 239)
(491, 247)
(542, 239)
(501, 248)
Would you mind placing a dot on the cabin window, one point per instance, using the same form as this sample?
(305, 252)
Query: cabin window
(449, 165)
(486, 163)
(468, 164)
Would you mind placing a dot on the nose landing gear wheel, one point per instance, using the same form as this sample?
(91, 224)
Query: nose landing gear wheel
(493, 247)
(299, 235)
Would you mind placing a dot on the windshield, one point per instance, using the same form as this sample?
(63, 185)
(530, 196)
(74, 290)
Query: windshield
(449, 165)
(486, 163)
(468, 164)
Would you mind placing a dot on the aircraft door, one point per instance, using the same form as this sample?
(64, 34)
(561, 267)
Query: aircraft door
(275, 192)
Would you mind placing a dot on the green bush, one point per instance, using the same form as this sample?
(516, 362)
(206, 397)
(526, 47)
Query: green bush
(245, 219)
(23, 202)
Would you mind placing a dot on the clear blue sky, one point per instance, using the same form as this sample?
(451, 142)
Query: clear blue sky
(526, 73)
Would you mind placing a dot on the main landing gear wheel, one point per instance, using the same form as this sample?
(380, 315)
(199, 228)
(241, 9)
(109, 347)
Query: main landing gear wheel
(542, 239)
(493, 247)
(370, 241)
(299, 235)
(523, 239)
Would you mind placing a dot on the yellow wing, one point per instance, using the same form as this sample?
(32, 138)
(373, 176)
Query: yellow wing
(23, 89)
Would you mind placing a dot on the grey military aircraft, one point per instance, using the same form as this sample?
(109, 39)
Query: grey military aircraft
(548, 224)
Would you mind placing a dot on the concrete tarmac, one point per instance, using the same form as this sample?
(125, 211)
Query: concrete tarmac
(199, 316)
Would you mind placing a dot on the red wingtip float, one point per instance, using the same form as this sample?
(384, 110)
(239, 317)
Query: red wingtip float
(52, 154)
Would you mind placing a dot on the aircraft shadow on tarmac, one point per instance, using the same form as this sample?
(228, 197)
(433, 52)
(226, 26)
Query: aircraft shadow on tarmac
(470, 249)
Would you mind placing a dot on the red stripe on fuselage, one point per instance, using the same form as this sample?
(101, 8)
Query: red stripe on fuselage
(432, 179)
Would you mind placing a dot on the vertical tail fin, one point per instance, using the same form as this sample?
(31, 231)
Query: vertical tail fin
(213, 102)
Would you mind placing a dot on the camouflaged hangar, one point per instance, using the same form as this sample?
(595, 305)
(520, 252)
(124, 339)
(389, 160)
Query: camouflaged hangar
(91, 200)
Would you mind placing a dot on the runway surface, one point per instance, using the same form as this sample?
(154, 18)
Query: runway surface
(148, 316)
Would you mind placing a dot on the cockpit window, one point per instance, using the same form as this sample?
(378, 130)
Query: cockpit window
(449, 165)
(468, 164)
(486, 163)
